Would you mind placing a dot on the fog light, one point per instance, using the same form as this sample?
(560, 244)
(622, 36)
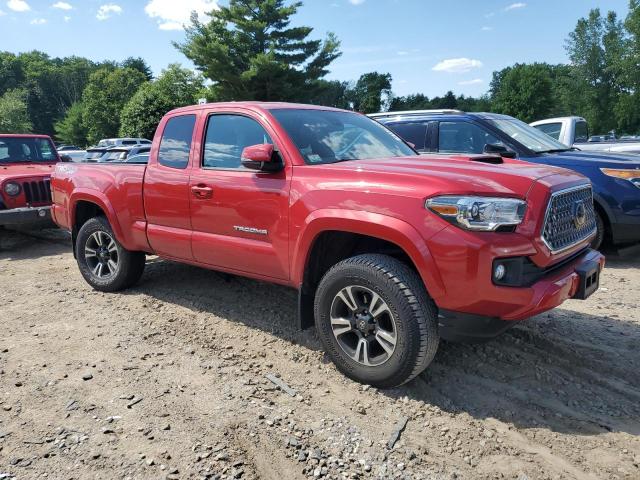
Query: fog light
(499, 272)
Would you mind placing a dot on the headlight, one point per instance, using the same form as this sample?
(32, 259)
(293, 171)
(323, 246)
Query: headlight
(479, 213)
(12, 189)
(629, 174)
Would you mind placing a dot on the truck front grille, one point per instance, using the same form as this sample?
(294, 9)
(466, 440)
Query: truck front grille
(570, 218)
(37, 191)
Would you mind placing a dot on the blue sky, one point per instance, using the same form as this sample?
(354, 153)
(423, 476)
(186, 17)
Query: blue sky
(428, 46)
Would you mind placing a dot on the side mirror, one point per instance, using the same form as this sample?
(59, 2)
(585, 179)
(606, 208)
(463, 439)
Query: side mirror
(497, 149)
(65, 158)
(261, 157)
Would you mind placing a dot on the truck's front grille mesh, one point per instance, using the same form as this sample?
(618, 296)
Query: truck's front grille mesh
(37, 191)
(570, 218)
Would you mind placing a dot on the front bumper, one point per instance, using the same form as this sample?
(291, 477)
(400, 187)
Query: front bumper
(577, 279)
(26, 217)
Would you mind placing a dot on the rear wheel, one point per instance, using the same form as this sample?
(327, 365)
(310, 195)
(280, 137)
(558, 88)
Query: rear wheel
(599, 238)
(104, 263)
(376, 320)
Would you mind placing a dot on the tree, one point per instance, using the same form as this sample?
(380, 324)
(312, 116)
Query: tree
(176, 87)
(72, 129)
(14, 117)
(139, 64)
(250, 52)
(595, 49)
(104, 98)
(523, 91)
(11, 74)
(370, 91)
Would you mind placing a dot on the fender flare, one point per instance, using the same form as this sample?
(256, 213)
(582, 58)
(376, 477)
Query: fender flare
(100, 199)
(602, 203)
(375, 225)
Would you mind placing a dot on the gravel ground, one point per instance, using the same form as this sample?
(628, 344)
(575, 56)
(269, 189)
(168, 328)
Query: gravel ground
(169, 380)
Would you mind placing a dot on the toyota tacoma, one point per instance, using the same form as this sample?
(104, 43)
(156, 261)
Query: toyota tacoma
(389, 251)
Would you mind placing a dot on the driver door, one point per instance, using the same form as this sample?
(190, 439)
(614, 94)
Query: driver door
(239, 216)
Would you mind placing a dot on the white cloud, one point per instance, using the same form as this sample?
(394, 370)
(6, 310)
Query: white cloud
(402, 53)
(62, 6)
(356, 2)
(475, 81)
(108, 10)
(515, 6)
(172, 15)
(457, 65)
(486, 29)
(67, 18)
(38, 21)
(18, 6)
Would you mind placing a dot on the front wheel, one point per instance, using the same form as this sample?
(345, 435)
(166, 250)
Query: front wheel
(376, 320)
(597, 241)
(105, 264)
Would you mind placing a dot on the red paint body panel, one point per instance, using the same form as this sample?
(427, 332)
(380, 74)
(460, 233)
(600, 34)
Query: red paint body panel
(264, 225)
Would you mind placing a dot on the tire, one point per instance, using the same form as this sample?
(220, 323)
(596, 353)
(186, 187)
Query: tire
(125, 268)
(598, 240)
(403, 311)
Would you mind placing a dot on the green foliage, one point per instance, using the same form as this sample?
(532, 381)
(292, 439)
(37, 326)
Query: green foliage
(448, 101)
(250, 52)
(139, 64)
(369, 91)
(72, 129)
(14, 117)
(523, 91)
(175, 87)
(104, 98)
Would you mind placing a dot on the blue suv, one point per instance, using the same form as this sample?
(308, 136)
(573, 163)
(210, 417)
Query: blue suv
(615, 177)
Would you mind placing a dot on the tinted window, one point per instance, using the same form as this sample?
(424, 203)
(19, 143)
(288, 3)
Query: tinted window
(582, 132)
(227, 136)
(176, 141)
(129, 142)
(551, 129)
(413, 132)
(464, 137)
(25, 149)
(324, 136)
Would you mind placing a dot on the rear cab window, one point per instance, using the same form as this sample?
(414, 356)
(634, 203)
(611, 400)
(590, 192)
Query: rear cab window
(175, 145)
(552, 129)
(582, 132)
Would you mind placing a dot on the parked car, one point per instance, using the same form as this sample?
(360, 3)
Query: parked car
(615, 177)
(389, 251)
(94, 154)
(73, 155)
(574, 131)
(26, 163)
(117, 142)
(67, 148)
(142, 158)
(120, 154)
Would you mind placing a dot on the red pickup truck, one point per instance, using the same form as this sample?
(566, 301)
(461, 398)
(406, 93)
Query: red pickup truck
(389, 251)
(26, 163)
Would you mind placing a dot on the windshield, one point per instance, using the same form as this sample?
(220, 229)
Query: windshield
(529, 136)
(328, 136)
(93, 154)
(25, 149)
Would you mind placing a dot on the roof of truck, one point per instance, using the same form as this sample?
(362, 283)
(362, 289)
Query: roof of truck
(255, 105)
(558, 120)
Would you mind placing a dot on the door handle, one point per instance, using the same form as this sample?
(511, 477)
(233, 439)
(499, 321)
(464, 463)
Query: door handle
(202, 191)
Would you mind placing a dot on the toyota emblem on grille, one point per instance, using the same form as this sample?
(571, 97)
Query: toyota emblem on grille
(579, 214)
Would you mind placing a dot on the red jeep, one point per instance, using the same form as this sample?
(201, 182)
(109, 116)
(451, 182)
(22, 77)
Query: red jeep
(389, 250)
(26, 163)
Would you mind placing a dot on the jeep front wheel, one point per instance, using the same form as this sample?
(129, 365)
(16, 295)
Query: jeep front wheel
(376, 320)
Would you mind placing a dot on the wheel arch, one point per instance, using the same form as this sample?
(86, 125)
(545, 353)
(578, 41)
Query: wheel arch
(355, 233)
(85, 205)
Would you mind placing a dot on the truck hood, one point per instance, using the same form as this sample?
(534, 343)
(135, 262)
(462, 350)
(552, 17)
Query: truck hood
(457, 174)
(592, 158)
(24, 170)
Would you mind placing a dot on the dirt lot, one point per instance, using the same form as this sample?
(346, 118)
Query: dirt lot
(168, 381)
